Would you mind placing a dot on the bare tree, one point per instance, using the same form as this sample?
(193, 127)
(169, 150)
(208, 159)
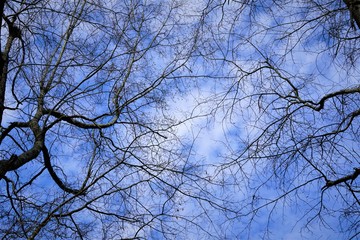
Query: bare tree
(295, 103)
(88, 149)
(91, 149)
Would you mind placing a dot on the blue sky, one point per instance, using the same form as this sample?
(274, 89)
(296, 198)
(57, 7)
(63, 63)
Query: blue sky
(178, 161)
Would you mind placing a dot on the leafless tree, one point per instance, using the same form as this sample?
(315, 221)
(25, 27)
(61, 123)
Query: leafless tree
(294, 102)
(88, 149)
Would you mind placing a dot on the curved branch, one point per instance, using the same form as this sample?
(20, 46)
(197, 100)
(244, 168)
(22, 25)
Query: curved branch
(320, 105)
(351, 177)
(16, 161)
(72, 120)
(53, 175)
(12, 126)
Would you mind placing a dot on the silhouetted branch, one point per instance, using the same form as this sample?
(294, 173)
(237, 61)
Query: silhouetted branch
(50, 169)
(351, 177)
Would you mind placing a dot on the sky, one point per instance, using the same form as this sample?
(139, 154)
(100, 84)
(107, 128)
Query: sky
(179, 162)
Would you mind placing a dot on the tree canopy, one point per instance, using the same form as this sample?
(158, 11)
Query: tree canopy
(211, 119)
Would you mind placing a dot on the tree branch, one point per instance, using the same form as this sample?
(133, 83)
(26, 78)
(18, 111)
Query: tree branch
(351, 177)
(354, 8)
(53, 174)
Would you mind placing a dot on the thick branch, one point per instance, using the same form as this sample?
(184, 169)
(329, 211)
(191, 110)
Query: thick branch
(317, 106)
(12, 126)
(53, 174)
(354, 8)
(2, 4)
(15, 161)
(14, 32)
(351, 177)
(338, 93)
(72, 120)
